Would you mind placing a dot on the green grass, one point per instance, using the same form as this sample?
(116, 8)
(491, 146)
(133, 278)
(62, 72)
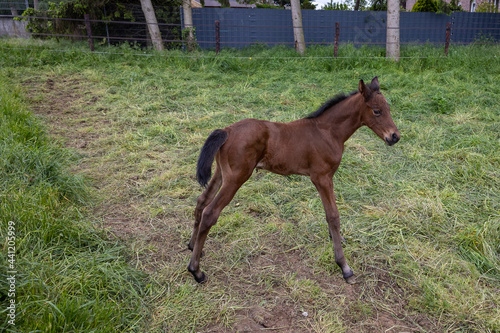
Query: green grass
(69, 277)
(421, 219)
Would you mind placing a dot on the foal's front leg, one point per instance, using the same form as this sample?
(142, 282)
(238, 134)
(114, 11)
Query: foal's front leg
(324, 185)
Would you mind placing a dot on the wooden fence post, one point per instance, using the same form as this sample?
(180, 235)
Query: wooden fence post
(336, 45)
(217, 37)
(89, 31)
(447, 41)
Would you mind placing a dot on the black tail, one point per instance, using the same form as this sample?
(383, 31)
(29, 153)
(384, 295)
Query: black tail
(210, 148)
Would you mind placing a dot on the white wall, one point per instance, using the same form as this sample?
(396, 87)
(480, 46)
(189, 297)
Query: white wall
(10, 27)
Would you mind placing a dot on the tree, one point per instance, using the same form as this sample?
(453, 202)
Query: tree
(335, 6)
(392, 43)
(487, 7)
(378, 5)
(425, 6)
(188, 23)
(455, 6)
(152, 23)
(448, 8)
(353, 4)
(298, 31)
(306, 4)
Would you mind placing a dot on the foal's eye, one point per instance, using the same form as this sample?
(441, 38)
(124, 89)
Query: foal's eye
(377, 112)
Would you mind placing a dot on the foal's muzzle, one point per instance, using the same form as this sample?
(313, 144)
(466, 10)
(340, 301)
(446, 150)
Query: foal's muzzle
(392, 139)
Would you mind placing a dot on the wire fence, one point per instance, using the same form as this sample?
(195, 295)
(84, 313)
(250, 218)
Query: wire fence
(111, 31)
(272, 27)
(14, 7)
(122, 23)
(237, 28)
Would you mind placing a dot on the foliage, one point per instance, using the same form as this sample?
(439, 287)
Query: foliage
(425, 6)
(190, 43)
(335, 6)
(448, 8)
(306, 4)
(267, 6)
(38, 25)
(455, 6)
(378, 5)
(442, 6)
(44, 23)
(487, 7)
(119, 13)
(363, 4)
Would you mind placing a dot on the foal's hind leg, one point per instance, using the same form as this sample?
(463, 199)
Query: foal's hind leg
(208, 219)
(203, 201)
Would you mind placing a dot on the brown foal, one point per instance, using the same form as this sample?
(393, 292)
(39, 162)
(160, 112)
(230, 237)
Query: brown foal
(312, 146)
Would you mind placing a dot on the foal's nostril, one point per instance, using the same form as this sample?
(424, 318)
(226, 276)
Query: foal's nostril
(395, 137)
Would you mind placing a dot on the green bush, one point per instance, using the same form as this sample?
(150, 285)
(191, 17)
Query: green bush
(486, 7)
(425, 6)
(335, 6)
(448, 8)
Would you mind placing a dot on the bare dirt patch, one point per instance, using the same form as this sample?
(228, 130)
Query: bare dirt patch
(65, 104)
(374, 304)
(68, 107)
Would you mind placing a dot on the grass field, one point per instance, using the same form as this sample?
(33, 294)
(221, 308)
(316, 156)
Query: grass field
(98, 172)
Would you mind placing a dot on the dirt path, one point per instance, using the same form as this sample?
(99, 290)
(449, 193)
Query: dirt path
(70, 108)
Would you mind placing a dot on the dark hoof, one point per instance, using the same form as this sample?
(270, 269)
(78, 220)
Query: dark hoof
(190, 247)
(202, 279)
(350, 278)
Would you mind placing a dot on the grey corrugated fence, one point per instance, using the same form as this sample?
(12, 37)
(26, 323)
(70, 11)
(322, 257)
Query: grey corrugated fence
(243, 27)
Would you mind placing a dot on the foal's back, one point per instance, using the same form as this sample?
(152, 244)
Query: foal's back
(282, 148)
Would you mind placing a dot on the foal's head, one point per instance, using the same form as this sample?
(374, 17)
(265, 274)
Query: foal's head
(376, 113)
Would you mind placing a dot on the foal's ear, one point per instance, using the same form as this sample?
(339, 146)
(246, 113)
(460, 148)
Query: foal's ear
(374, 85)
(364, 90)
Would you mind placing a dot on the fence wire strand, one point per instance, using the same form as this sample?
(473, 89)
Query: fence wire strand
(214, 57)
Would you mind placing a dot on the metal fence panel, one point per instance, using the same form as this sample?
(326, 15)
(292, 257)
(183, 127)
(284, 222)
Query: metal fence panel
(243, 27)
(355, 27)
(475, 27)
(423, 28)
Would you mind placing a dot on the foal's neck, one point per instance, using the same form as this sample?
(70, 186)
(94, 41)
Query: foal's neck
(344, 118)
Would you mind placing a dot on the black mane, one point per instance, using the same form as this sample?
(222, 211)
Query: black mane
(335, 100)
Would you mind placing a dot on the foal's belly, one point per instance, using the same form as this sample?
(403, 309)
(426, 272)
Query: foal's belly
(280, 168)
